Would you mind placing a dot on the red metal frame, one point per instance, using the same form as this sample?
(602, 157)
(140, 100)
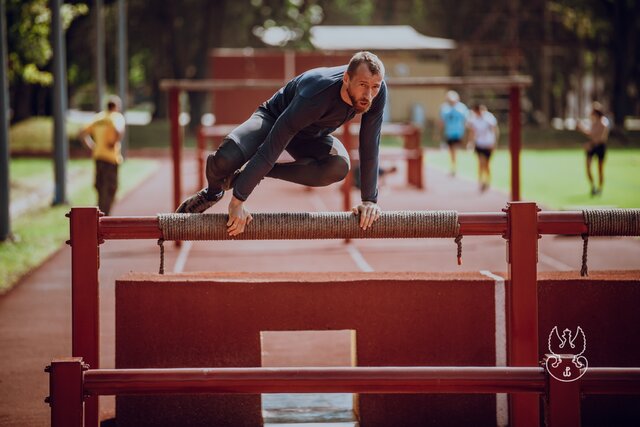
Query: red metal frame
(176, 144)
(522, 303)
(515, 140)
(85, 293)
(68, 384)
(521, 225)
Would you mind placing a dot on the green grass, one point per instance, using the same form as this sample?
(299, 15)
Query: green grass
(35, 135)
(156, 134)
(42, 232)
(556, 179)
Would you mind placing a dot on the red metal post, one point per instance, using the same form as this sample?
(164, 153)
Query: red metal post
(66, 392)
(562, 403)
(201, 156)
(348, 181)
(419, 162)
(515, 143)
(176, 144)
(442, 379)
(85, 294)
(522, 303)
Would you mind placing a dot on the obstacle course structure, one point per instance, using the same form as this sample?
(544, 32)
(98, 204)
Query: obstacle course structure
(521, 224)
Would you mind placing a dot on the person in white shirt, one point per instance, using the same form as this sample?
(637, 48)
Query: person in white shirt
(483, 134)
(598, 133)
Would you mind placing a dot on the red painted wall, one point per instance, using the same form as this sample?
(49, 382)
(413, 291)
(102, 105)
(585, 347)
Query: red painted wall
(216, 320)
(235, 106)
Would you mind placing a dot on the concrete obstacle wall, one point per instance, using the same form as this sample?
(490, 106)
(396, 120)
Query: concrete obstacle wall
(215, 320)
(606, 305)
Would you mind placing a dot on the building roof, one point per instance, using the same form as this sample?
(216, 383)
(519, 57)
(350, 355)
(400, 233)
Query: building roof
(357, 37)
(375, 37)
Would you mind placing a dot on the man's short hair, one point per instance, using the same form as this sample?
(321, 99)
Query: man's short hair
(372, 61)
(114, 102)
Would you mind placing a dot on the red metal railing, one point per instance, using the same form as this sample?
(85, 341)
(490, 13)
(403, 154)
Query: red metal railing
(71, 381)
(520, 223)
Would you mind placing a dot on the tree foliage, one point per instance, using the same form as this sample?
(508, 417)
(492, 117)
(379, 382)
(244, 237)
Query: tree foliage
(172, 39)
(28, 36)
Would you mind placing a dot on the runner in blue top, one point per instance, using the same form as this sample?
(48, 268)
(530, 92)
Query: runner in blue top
(453, 118)
(299, 118)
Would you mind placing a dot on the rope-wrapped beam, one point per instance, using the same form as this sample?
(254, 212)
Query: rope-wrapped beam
(316, 225)
(612, 222)
(608, 222)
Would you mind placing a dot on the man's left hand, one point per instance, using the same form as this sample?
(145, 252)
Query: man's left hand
(369, 212)
(239, 217)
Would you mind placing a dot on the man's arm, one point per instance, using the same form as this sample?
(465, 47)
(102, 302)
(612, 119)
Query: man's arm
(369, 150)
(85, 137)
(299, 114)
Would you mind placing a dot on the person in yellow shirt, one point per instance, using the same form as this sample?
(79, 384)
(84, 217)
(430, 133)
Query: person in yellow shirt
(102, 136)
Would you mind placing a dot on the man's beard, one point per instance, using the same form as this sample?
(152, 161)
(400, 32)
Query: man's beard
(356, 104)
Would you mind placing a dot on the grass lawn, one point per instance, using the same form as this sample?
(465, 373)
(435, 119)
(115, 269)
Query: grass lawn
(35, 134)
(556, 178)
(42, 232)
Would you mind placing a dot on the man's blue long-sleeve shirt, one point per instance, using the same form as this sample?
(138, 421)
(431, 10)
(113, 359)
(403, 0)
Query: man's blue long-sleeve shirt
(310, 106)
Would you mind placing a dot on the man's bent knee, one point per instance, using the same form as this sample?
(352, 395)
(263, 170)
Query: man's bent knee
(225, 161)
(335, 169)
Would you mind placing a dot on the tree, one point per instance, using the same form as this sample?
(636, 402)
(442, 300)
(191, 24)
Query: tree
(30, 53)
(611, 27)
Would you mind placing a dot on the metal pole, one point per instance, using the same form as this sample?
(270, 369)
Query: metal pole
(98, 23)
(348, 181)
(522, 297)
(123, 78)
(387, 380)
(562, 401)
(5, 216)
(60, 142)
(515, 142)
(202, 155)
(66, 388)
(85, 294)
(176, 144)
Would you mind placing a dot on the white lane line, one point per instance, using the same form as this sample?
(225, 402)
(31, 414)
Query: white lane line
(502, 405)
(358, 258)
(353, 251)
(183, 255)
(554, 263)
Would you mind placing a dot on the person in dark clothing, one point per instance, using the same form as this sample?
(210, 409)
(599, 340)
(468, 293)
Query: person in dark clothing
(300, 118)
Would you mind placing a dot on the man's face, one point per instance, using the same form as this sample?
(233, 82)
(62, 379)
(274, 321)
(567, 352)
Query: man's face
(362, 87)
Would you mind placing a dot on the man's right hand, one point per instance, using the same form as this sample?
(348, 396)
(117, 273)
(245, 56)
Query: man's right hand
(239, 217)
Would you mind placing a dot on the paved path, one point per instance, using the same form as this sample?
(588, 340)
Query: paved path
(35, 320)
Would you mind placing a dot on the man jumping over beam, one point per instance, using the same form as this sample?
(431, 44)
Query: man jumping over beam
(299, 118)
